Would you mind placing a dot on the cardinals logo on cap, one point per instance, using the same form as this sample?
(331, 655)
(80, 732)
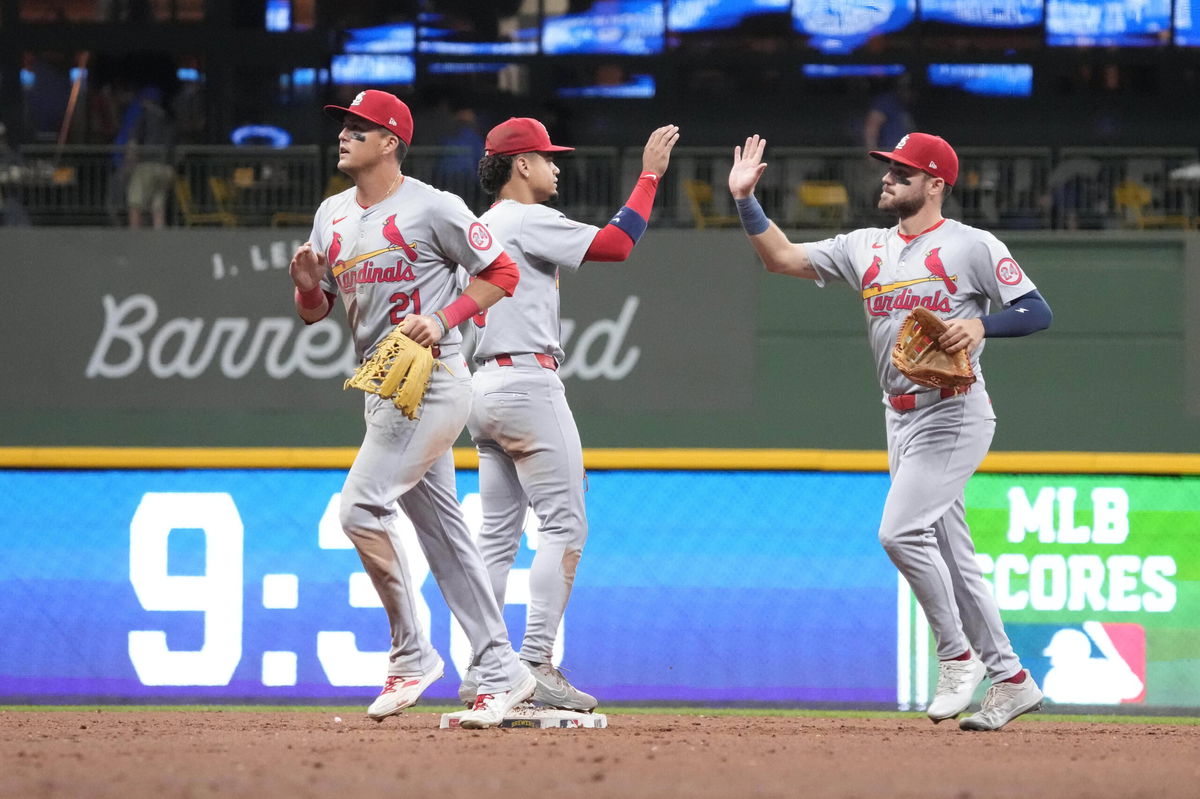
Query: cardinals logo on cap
(358, 99)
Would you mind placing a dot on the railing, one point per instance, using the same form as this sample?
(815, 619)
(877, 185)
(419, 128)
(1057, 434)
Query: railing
(998, 188)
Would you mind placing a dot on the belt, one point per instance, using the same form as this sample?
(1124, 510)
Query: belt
(910, 402)
(544, 360)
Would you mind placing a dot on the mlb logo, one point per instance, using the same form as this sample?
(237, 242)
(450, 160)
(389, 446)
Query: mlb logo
(1091, 663)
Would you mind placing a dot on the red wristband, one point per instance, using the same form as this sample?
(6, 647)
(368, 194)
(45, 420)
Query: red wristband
(459, 311)
(313, 298)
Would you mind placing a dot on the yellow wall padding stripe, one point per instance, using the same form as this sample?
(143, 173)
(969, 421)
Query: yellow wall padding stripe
(823, 460)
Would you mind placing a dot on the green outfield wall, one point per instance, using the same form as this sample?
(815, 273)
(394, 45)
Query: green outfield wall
(186, 338)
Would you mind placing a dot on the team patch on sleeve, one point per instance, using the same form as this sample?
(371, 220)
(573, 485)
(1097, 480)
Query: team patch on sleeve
(1008, 273)
(479, 236)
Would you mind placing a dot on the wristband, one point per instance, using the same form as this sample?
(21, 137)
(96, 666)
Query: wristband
(631, 223)
(754, 221)
(313, 298)
(441, 320)
(457, 312)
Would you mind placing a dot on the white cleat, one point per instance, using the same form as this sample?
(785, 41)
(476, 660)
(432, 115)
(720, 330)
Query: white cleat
(554, 690)
(957, 681)
(490, 709)
(1002, 703)
(400, 692)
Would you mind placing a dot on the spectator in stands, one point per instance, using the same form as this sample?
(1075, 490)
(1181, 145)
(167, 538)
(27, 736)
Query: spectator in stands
(457, 167)
(889, 115)
(148, 159)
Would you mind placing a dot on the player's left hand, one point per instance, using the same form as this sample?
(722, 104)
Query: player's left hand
(657, 154)
(748, 167)
(962, 334)
(425, 330)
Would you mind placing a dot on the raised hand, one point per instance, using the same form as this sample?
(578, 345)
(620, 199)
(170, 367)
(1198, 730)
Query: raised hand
(747, 167)
(657, 154)
(307, 267)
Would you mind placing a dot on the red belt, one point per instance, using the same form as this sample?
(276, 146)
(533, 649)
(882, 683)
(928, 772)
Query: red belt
(546, 361)
(908, 402)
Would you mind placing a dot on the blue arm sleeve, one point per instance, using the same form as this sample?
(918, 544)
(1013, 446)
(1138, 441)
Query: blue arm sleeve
(1029, 313)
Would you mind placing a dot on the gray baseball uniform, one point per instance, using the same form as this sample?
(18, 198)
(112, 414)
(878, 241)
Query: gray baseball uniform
(529, 448)
(394, 258)
(935, 442)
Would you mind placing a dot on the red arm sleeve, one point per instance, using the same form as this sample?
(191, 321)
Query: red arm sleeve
(615, 240)
(641, 199)
(502, 273)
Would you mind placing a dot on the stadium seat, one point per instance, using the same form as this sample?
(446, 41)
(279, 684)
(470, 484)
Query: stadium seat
(1134, 200)
(822, 202)
(190, 213)
(700, 199)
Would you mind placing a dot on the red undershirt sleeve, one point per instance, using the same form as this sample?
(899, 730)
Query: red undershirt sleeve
(502, 273)
(614, 242)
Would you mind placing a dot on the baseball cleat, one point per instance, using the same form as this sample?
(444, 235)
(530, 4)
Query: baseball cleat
(400, 692)
(1003, 702)
(957, 681)
(468, 689)
(490, 709)
(554, 690)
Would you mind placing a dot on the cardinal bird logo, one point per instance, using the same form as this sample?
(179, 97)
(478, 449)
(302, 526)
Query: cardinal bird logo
(392, 234)
(335, 249)
(868, 279)
(933, 262)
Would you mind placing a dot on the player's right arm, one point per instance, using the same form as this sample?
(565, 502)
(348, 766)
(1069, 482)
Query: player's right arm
(615, 241)
(775, 251)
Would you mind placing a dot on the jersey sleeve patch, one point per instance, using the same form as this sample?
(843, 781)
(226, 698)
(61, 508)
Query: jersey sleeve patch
(479, 236)
(1008, 272)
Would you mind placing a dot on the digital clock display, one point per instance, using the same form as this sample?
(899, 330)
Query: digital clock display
(239, 584)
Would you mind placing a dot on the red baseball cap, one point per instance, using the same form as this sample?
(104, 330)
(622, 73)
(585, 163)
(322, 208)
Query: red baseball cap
(382, 108)
(520, 135)
(931, 154)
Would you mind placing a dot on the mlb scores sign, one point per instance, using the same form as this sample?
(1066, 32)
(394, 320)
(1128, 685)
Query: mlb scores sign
(1095, 576)
(1092, 573)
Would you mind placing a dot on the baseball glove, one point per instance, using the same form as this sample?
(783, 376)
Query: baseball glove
(398, 370)
(919, 357)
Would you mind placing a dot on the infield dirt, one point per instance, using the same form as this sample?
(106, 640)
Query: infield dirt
(264, 754)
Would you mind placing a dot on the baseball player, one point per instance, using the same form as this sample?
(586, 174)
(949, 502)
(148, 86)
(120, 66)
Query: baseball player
(936, 438)
(529, 449)
(389, 247)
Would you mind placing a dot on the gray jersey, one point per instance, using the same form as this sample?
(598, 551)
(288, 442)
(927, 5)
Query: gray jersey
(399, 257)
(954, 270)
(541, 240)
